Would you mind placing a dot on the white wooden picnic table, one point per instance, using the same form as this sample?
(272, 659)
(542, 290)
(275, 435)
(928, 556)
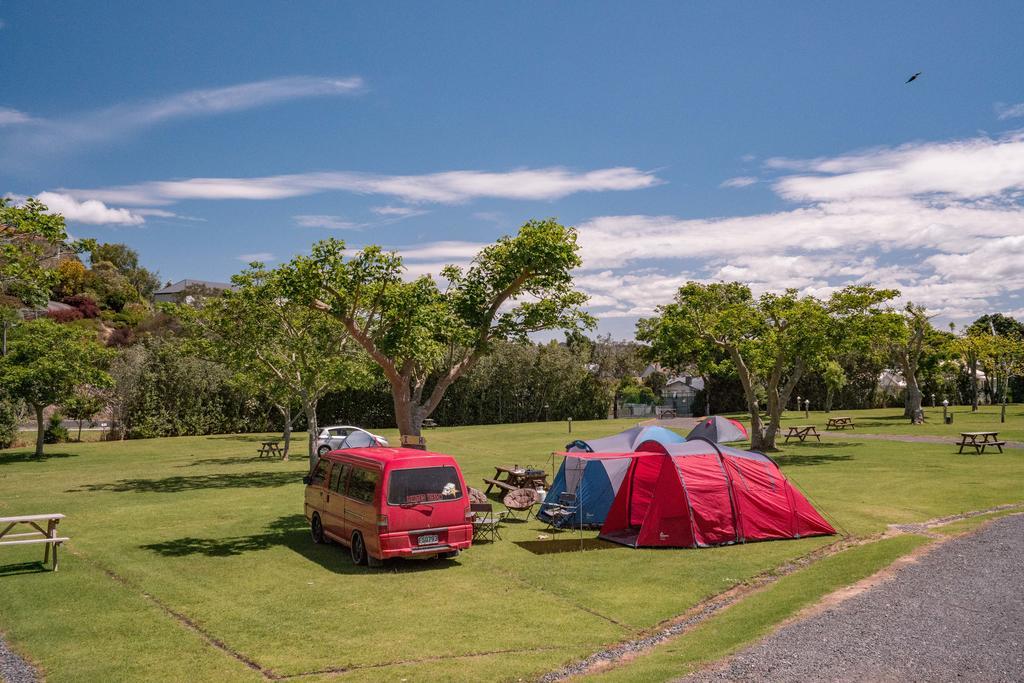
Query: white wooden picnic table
(39, 535)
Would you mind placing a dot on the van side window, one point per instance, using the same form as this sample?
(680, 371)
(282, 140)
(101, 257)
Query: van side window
(362, 483)
(338, 476)
(320, 473)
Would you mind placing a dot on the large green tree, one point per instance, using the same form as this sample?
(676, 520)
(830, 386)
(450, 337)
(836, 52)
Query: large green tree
(423, 336)
(771, 340)
(29, 237)
(913, 344)
(46, 362)
(294, 353)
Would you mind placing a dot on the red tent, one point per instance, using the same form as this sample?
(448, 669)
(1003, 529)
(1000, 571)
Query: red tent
(698, 494)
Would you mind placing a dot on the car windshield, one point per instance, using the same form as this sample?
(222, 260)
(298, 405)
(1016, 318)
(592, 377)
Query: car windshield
(424, 485)
(359, 440)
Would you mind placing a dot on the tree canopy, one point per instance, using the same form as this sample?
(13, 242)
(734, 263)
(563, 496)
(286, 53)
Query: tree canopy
(423, 336)
(28, 238)
(47, 361)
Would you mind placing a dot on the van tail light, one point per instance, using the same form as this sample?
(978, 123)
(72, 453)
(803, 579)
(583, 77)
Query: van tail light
(469, 514)
(382, 522)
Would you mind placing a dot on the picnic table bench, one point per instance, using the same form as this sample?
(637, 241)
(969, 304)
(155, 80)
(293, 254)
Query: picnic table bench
(516, 478)
(271, 448)
(979, 441)
(801, 432)
(39, 535)
(840, 423)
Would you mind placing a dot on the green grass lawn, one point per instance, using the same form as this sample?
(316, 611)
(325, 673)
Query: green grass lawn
(198, 529)
(891, 421)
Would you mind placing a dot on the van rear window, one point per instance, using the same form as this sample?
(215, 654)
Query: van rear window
(424, 485)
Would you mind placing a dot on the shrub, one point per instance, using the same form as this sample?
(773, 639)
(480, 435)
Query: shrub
(65, 315)
(8, 423)
(55, 431)
(85, 304)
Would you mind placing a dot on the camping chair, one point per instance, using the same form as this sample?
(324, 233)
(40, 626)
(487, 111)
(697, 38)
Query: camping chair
(485, 521)
(520, 500)
(477, 496)
(561, 514)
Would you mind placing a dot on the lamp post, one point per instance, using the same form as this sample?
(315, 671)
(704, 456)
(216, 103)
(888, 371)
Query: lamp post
(546, 414)
(807, 407)
(570, 425)
(798, 401)
(945, 406)
(933, 400)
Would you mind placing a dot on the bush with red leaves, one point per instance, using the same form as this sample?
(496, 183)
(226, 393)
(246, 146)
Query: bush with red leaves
(83, 303)
(65, 315)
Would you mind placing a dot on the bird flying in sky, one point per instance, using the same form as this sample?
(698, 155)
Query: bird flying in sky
(914, 77)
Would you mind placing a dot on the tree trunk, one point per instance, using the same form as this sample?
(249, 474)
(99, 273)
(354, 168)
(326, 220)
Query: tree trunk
(40, 431)
(286, 413)
(828, 400)
(80, 430)
(914, 400)
(408, 416)
(309, 407)
(973, 365)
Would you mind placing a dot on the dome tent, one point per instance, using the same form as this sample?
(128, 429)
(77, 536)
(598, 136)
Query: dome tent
(593, 470)
(718, 429)
(699, 494)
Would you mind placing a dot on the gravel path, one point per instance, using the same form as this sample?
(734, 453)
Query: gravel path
(14, 669)
(955, 614)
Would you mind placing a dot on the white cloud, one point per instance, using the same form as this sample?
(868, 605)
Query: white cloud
(449, 251)
(10, 117)
(397, 211)
(60, 135)
(942, 222)
(739, 181)
(449, 187)
(89, 211)
(1009, 111)
(328, 222)
(261, 256)
(963, 169)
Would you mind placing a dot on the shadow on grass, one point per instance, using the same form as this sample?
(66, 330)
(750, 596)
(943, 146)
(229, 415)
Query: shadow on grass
(246, 480)
(241, 460)
(809, 458)
(290, 531)
(248, 438)
(566, 545)
(29, 456)
(23, 568)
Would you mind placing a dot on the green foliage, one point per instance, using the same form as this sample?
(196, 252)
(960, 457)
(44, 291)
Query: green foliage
(10, 416)
(771, 341)
(418, 333)
(164, 390)
(28, 237)
(125, 261)
(632, 391)
(46, 361)
(55, 431)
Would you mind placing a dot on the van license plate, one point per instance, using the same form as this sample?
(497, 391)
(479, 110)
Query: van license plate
(430, 539)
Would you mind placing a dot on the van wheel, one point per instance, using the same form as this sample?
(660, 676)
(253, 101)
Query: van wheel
(358, 549)
(316, 528)
(323, 450)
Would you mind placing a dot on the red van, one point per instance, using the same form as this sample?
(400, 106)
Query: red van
(389, 502)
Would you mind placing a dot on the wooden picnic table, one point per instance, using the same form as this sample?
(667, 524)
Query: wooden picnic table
(979, 441)
(429, 424)
(271, 448)
(840, 423)
(517, 478)
(39, 535)
(802, 432)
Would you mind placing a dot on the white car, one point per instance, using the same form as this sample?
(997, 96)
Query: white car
(344, 436)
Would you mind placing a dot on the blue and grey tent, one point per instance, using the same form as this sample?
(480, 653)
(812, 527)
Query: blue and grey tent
(593, 471)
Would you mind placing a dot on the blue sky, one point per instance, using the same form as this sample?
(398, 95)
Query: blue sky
(774, 144)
